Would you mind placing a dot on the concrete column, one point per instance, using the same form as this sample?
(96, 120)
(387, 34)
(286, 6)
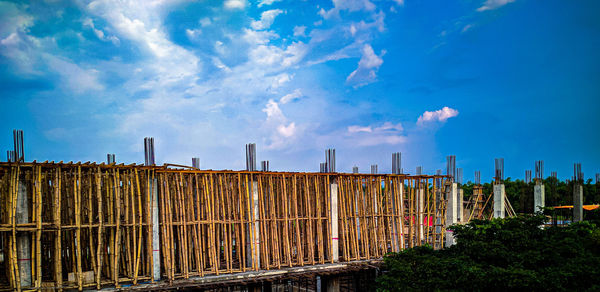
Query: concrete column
(499, 201)
(155, 231)
(250, 231)
(421, 209)
(451, 212)
(577, 202)
(23, 239)
(438, 219)
(256, 228)
(460, 206)
(395, 231)
(319, 282)
(401, 197)
(334, 222)
(333, 284)
(539, 197)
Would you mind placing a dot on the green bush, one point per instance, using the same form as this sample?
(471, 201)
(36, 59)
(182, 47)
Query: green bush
(500, 255)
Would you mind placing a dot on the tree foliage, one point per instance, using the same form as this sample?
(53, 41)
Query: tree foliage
(500, 255)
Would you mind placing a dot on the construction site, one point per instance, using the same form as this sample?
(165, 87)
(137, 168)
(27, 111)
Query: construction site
(86, 225)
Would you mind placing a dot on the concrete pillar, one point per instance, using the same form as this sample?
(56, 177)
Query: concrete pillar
(577, 202)
(396, 245)
(451, 212)
(155, 231)
(499, 201)
(401, 197)
(334, 222)
(421, 209)
(256, 228)
(438, 220)
(333, 284)
(460, 206)
(319, 282)
(23, 239)
(539, 197)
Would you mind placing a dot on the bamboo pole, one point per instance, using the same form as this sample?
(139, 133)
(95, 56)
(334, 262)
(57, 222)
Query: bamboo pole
(118, 226)
(57, 223)
(274, 229)
(319, 222)
(299, 251)
(77, 196)
(164, 242)
(100, 228)
(199, 227)
(242, 222)
(13, 252)
(343, 216)
(212, 241)
(328, 218)
(38, 245)
(224, 216)
(150, 223)
(252, 226)
(183, 230)
(139, 237)
(127, 231)
(262, 215)
(310, 241)
(170, 228)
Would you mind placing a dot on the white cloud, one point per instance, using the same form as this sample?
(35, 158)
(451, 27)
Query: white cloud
(399, 2)
(440, 115)
(349, 5)
(357, 129)
(266, 19)
(466, 28)
(353, 29)
(388, 126)
(76, 78)
(99, 33)
(291, 96)
(219, 64)
(193, 34)
(387, 133)
(12, 19)
(300, 30)
(287, 131)
(367, 67)
(254, 37)
(235, 4)
(267, 2)
(280, 79)
(205, 22)
(281, 132)
(493, 4)
(10, 40)
(168, 63)
(275, 57)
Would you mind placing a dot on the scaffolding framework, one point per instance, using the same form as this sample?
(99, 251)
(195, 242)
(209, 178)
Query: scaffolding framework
(90, 225)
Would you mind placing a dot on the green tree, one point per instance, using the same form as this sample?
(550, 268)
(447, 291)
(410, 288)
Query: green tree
(500, 255)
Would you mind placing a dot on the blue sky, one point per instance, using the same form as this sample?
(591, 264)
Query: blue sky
(478, 79)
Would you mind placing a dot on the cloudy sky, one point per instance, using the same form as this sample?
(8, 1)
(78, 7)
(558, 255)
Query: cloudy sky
(478, 79)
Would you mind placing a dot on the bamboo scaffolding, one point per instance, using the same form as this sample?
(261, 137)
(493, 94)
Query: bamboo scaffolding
(96, 226)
